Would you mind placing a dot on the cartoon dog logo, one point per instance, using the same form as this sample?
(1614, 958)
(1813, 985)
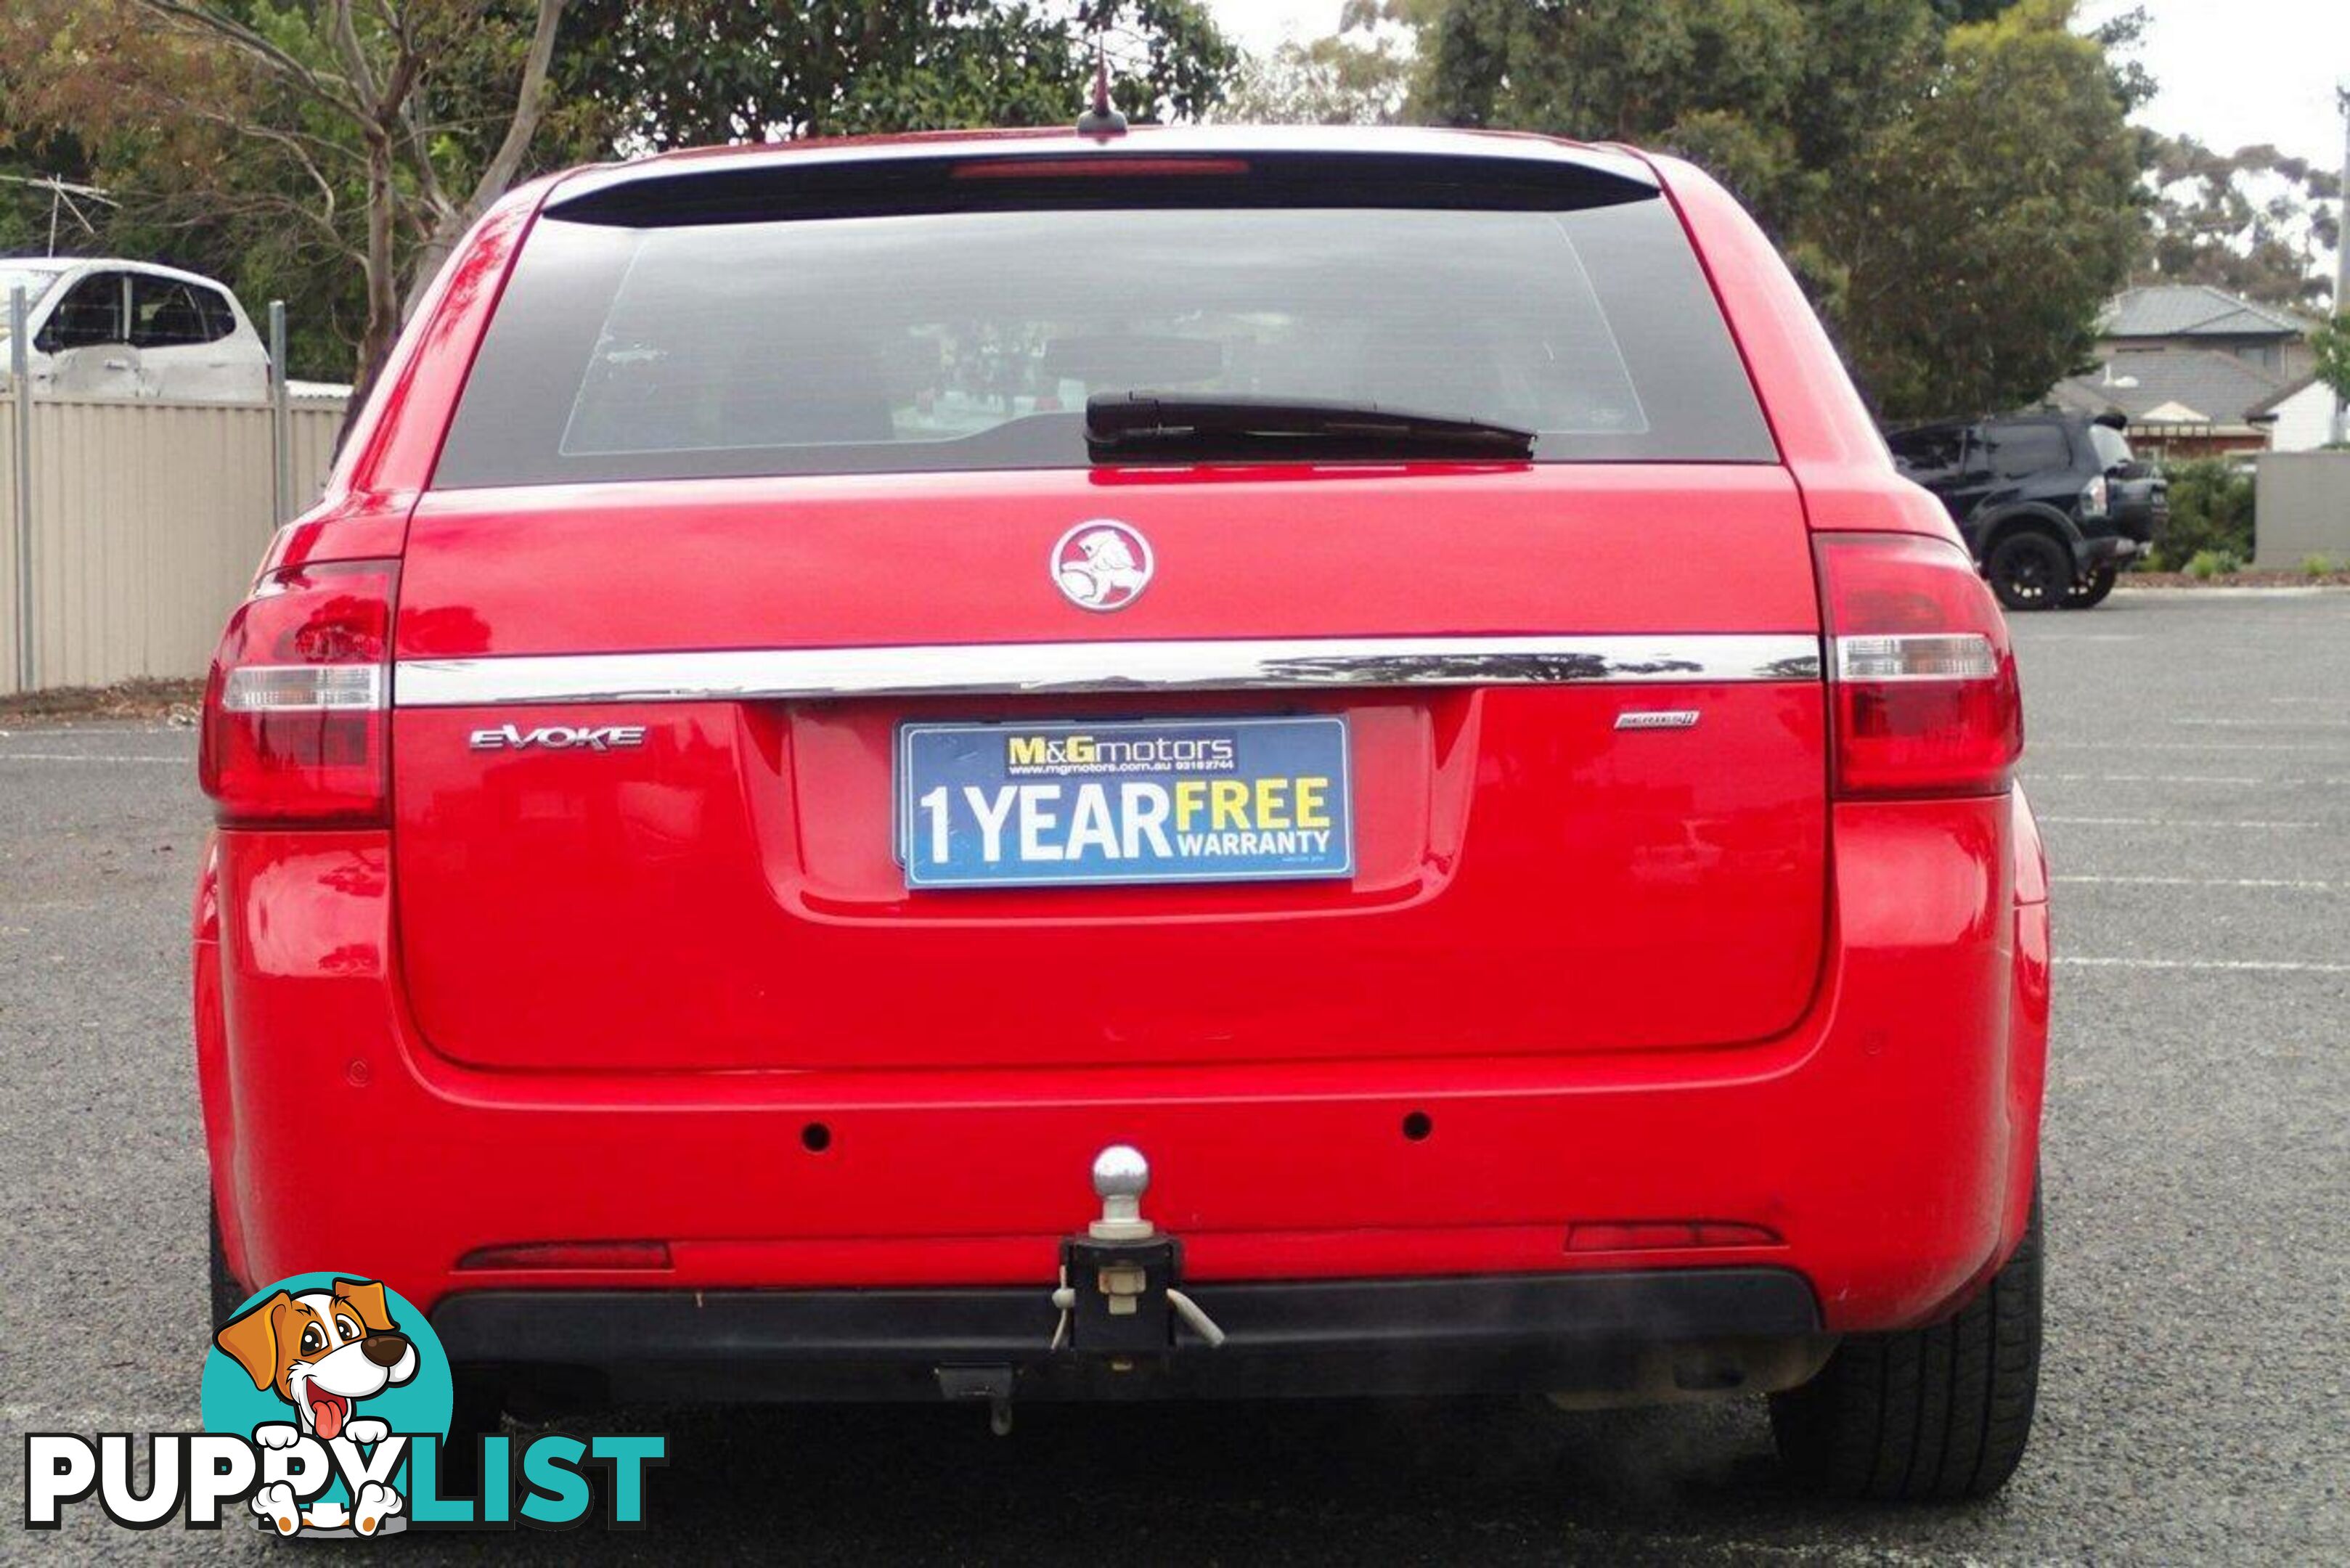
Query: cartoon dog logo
(322, 1351)
(1102, 565)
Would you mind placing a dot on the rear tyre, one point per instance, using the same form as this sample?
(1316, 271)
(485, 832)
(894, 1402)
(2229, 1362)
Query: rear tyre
(2028, 571)
(1933, 1415)
(227, 1293)
(2087, 593)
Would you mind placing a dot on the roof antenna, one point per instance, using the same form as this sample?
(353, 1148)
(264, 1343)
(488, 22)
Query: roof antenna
(1101, 118)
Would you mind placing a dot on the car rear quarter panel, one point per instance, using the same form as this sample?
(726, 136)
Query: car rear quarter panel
(1825, 435)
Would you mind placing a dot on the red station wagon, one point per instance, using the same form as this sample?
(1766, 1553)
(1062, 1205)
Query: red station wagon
(1214, 761)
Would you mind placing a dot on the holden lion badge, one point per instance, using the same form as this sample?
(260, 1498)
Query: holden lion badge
(1102, 565)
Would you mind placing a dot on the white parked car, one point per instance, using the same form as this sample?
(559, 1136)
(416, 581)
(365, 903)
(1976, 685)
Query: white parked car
(109, 329)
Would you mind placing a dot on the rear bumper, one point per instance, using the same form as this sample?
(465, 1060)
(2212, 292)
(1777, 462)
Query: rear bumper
(2108, 550)
(1637, 1336)
(1881, 1151)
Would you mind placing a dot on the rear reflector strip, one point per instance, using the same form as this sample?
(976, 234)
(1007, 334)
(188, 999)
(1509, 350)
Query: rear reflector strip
(989, 669)
(602, 1257)
(1649, 1235)
(1965, 655)
(302, 688)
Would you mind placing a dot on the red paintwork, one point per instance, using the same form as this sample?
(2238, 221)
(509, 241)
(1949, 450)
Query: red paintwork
(960, 557)
(1631, 984)
(758, 856)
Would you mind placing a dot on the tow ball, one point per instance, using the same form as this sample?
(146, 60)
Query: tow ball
(1118, 1296)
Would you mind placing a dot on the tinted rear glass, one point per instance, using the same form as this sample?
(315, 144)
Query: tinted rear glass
(2018, 451)
(2113, 447)
(943, 340)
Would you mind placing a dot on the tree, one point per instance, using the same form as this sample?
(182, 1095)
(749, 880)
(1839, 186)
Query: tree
(249, 104)
(1982, 233)
(1770, 96)
(1952, 180)
(2250, 222)
(2332, 342)
(331, 153)
(1361, 75)
(693, 72)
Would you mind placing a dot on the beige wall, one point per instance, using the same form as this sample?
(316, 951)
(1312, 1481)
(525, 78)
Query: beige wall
(2301, 507)
(148, 521)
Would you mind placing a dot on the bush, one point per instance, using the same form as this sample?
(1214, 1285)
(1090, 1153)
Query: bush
(2210, 510)
(2205, 565)
(2317, 565)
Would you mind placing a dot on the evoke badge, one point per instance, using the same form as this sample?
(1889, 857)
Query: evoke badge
(559, 738)
(1102, 565)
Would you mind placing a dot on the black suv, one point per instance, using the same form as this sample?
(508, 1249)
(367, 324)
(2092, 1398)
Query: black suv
(2051, 505)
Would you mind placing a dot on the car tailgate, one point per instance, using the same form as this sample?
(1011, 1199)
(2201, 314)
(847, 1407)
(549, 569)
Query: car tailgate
(1536, 869)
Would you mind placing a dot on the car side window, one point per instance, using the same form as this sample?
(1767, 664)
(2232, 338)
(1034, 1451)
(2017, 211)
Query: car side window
(1930, 455)
(167, 313)
(2018, 451)
(90, 315)
(1975, 464)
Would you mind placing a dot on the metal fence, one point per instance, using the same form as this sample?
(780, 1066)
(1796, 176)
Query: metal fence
(145, 522)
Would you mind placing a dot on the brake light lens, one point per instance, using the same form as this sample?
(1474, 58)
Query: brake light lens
(1921, 673)
(295, 707)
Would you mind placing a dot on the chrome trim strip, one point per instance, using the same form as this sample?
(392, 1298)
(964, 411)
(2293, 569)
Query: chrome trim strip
(1011, 667)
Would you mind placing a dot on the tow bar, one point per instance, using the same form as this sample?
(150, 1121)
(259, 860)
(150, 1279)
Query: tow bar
(1119, 1295)
(1117, 1299)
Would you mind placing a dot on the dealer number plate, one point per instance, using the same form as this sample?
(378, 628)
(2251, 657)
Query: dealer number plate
(1223, 800)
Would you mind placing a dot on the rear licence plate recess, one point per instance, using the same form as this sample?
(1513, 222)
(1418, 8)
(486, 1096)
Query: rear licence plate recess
(1221, 800)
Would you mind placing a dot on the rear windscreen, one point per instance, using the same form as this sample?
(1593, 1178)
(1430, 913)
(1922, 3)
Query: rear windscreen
(943, 340)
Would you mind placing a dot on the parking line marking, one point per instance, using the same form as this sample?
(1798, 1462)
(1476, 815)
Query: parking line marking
(2263, 966)
(91, 757)
(2157, 778)
(2206, 747)
(2283, 883)
(2171, 822)
(2326, 779)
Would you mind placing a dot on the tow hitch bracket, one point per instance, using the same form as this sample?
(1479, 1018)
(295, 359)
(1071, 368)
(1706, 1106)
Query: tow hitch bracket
(1119, 1295)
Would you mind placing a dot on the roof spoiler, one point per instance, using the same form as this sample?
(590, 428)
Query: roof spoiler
(1138, 171)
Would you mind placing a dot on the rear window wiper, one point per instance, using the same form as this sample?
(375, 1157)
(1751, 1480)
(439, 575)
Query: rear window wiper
(1130, 426)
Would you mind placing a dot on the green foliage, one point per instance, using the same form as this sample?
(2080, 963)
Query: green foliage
(2319, 566)
(1953, 181)
(695, 72)
(1361, 75)
(2211, 514)
(2250, 222)
(1985, 229)
(2207, 564)
(2332, 343)
(231, 169)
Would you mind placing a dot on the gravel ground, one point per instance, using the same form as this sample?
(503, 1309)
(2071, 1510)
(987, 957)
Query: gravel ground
(2191, 758)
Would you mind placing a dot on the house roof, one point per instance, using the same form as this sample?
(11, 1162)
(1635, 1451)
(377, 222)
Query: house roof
(2285, 394)
(2193, 310)
(2174, 386)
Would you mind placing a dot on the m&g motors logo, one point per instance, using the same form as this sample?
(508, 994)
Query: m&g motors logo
(1029, 755)
(327, 1401)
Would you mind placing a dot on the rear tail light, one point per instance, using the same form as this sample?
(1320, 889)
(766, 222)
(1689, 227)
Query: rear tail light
(1920, 673)
(2095, 496)
(294, 712)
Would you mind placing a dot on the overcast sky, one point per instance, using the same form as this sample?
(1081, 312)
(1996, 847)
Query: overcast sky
(2232, 72)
